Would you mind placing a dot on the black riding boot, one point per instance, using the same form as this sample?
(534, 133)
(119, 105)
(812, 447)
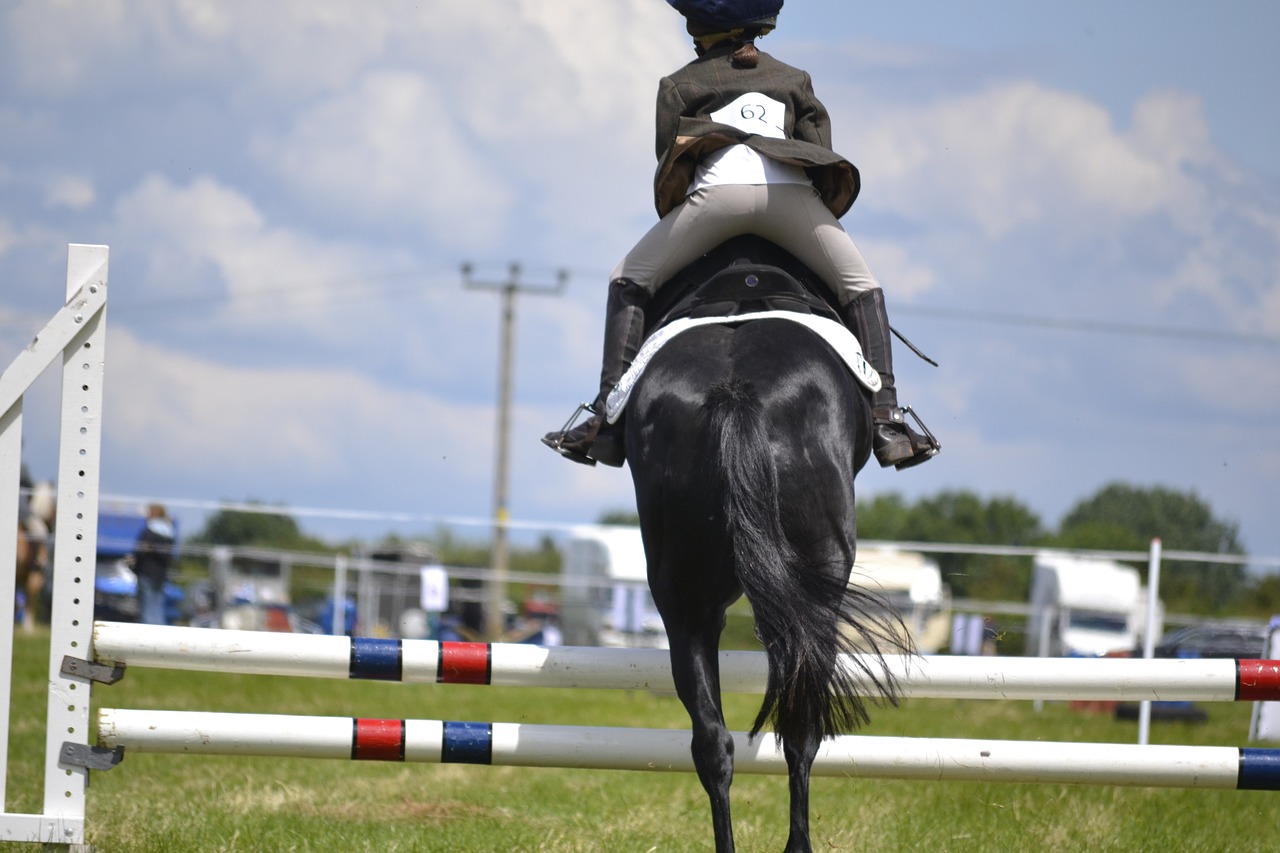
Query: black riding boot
(595, 440)
(894, 443)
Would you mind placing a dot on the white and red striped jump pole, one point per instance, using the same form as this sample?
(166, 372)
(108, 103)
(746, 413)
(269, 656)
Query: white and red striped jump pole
(516, 665)
(590, 747)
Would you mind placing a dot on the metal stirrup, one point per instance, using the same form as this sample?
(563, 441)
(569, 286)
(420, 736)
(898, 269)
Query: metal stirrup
(568, 425)
(907, 410)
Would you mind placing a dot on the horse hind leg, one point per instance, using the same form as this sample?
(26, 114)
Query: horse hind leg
(695, 670)
(799, 764)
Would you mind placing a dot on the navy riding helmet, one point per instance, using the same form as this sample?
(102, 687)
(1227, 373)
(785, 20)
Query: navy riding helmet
(724, 15)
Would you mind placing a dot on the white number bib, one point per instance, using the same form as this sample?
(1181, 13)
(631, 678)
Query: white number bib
(755, 113)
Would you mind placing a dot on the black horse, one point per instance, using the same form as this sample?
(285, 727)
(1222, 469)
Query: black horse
(743, 441)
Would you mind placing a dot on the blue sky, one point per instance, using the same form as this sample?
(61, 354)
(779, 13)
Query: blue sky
(1073, 207)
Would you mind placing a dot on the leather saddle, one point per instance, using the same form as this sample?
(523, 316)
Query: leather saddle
(741, 276)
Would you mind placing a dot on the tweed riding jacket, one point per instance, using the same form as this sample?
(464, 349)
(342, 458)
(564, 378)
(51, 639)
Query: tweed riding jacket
(686, 133)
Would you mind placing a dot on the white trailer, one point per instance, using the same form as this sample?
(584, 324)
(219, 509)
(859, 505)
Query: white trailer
(913, 584)
(1084, 606)
(605, 599)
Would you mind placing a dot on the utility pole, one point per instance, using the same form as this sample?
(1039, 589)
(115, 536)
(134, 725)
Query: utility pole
(497, 587)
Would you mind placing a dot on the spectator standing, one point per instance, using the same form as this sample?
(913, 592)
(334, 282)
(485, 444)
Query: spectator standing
(152, 556)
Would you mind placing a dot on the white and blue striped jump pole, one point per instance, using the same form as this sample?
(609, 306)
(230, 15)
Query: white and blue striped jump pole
(602, 748)
(517, 665)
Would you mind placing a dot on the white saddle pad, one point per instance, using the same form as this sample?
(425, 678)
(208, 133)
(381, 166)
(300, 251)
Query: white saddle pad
(835, 334)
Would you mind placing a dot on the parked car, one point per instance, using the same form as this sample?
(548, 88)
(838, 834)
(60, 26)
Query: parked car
(1214, 640)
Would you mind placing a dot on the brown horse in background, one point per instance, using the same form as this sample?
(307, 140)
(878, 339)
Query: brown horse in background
(35, 539)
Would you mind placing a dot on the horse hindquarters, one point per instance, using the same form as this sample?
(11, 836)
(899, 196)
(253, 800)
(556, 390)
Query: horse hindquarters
(770, 570)
(787, 463)
(748, 485)
(790, 444)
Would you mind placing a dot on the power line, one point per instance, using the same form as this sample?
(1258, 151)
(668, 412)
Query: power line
(1096, 326)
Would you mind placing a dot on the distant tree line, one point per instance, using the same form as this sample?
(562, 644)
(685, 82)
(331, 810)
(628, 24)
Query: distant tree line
(1119, 517)
(272, 527)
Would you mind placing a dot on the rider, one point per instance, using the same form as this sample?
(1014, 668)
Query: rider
(744, 148)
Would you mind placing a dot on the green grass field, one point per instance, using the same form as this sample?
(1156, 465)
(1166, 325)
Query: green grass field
(171, 802)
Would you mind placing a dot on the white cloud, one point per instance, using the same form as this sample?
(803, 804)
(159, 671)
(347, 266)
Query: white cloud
(1170, 129)
(469, 125)
(1269, 312)
(220, 431)
(898, 272)
(1012, 158)
(598, 55)
(207, 225)
(60, 47)
(295, 428)
(391, 150)
(1024, 189)
(52, 45)
(555, 99)
(70, 191)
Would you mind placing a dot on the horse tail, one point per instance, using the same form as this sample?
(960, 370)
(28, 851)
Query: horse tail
(806, 615)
